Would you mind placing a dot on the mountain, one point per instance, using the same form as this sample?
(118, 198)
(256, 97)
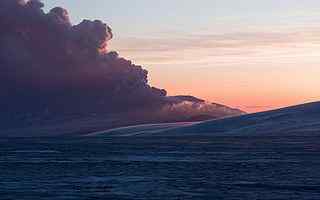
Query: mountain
(74, 124)
(297, 120)
(301, 119)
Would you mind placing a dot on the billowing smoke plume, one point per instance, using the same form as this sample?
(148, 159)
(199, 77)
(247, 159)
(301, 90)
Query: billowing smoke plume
(48, 65)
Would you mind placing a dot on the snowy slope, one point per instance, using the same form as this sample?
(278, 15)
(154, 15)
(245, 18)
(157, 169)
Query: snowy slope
(140, 129)
(301, 119)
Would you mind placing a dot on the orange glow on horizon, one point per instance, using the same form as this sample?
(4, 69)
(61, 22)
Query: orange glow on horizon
(253, 71)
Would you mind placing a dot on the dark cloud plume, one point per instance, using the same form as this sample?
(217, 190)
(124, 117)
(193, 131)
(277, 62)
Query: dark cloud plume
(48, 65)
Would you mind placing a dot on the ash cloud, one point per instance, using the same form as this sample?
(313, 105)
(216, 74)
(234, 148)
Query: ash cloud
(49, 65)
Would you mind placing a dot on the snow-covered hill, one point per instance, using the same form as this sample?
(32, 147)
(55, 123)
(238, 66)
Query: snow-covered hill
(302, 119)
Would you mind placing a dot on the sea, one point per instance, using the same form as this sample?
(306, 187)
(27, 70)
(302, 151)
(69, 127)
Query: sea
(160, 168)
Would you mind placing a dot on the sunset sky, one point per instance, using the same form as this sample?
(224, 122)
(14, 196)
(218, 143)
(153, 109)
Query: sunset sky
(251, 54)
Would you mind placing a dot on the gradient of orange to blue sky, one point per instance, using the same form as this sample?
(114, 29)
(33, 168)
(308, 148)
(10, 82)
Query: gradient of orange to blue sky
(251, 54)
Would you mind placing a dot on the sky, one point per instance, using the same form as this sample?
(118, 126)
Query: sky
(249, 54)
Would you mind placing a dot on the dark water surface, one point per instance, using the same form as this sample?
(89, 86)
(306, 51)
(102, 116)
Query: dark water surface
(160, 168)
